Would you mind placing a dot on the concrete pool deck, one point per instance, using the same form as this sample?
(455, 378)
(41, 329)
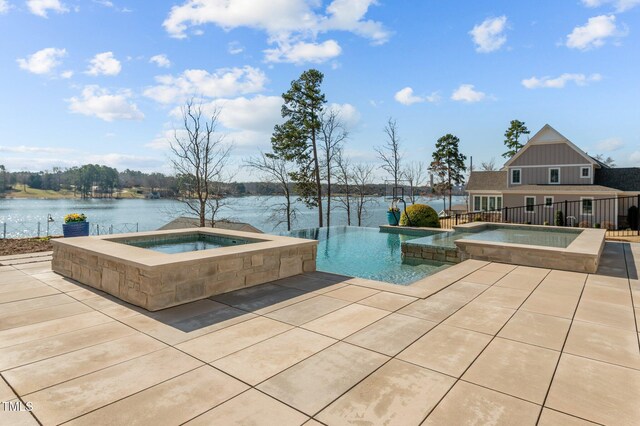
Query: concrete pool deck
(477, 343)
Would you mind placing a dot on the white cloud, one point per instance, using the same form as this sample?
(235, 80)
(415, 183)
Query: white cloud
(302, 52)
(4, 6)
(634, 158)
(43, 61)
(561, 81)
(42, 7)
(104, 64)
(489, 35)
(160, 60)
(33, 149)
(235, 48)
(288, 23)
(467, 93)
(619, 5)
(406, 97)
(609, 145)
(66, 74)
(594, 33)
(224, 82)
(98, 102)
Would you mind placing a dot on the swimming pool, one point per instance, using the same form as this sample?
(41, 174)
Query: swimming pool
(367, 253)
(551, 237)
(185, 243)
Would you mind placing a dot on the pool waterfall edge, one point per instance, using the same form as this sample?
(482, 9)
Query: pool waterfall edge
(155, 280)
(582, 254)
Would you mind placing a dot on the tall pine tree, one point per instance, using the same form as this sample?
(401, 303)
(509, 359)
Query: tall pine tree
(448, 155)
(295, 139)
(512, 137)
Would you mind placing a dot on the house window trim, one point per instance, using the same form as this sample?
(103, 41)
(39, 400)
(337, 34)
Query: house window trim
(588, 176)
(533, 211)
(548, 206)
(479, 198)
(511, 176)
(582, 213)
(559, 175)
(498, 200)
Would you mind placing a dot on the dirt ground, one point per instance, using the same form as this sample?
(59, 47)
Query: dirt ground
(24, 245)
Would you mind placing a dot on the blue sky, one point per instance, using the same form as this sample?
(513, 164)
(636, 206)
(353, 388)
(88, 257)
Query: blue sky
(100, 81)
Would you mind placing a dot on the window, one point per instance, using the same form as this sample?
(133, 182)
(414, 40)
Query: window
(499, 203)
(586, 206)
(476, 203)
(492, 204)
(487, 203)
(515, 176)
(529, 202)
(484, 204)
(585, 172)
(554, 175)
(548, 202)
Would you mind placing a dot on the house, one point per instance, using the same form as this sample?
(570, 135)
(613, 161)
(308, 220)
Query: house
(550, 174)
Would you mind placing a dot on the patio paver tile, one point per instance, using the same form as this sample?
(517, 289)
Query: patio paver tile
(345, 321)
(504, 268)
(479, 317)
(503, 297)
(221, 343)
(446, 349)
(51, 371)
(550, 304)
(537, 329)
(605, 313)
(556, 418)
(307, 310)
(251, 408)
(26, 294)
(435, 308)
(398, 393)
(17, 418)
(602, 343)
(391, 334)
(596, 391)
(468, 404)
(269, 357)
(74, 398)
(35, 302)
(463, 291)
(514, 368)
(317, 381)
(172, 402)
(388, 301)
(523, 279)
(351, 293)
(484, 277)
(20, 319)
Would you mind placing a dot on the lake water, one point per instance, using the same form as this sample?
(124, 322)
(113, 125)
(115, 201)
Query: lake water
(23, 216)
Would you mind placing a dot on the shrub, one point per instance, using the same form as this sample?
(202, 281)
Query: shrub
(596, 225)
(584, 224)
(420, 215)
(546, 223)
(632, 217)
(559, 218)
(477, 218)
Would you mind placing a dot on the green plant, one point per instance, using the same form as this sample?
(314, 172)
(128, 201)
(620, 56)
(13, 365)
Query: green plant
(477, 218)
(75, 217)
(394, 209)
(559, 218)
(546, 223)
(583, 224)
(632, 217)
(596, 225)
(420, 215)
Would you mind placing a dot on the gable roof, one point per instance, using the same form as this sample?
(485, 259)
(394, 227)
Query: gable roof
(549, 135)
(494, 181)
(623, 179)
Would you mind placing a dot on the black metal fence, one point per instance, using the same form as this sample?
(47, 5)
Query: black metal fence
(619, 215)
(46, 229)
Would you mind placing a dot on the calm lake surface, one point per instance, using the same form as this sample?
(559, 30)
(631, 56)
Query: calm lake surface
(22, 216)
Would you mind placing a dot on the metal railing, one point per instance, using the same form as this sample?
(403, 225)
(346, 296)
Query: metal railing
(46, 228)
(618, 215)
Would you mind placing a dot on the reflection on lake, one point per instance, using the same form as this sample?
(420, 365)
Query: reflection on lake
(22, 216)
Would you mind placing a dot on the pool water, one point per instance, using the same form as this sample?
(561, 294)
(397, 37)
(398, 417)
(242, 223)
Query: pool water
(513, 235)
(185, 243)
(366, 253)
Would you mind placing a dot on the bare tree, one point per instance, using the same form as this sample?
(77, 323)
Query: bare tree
(489, 166)
(276, 170)
(332, 135)
(345, 183)
(390, 153)
(606, 161)
(416, 174)
(441, 185)
(362, 180)
(199, 156)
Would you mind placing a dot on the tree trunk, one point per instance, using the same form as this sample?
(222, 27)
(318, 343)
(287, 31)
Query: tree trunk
(201, 213)
(450, 187)
(288, 212)
(348, 210)
(319, 187)
(328, 198)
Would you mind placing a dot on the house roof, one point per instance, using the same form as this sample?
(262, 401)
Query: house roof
(622, 179)
(548, 135)
(556, 189)
(495, 181)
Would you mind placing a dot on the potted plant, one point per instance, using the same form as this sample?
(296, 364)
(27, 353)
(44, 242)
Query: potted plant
(75, 225)
(393, 215)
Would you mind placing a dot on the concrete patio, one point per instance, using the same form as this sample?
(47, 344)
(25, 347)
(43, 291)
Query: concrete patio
(479, 343)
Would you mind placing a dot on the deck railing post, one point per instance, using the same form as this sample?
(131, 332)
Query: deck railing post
(138, 231)
(38, 229)
(505, 217)
(4, 230)
(566, 212)
(638, 220)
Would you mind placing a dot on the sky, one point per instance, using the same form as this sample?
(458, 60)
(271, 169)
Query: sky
(102, 81)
